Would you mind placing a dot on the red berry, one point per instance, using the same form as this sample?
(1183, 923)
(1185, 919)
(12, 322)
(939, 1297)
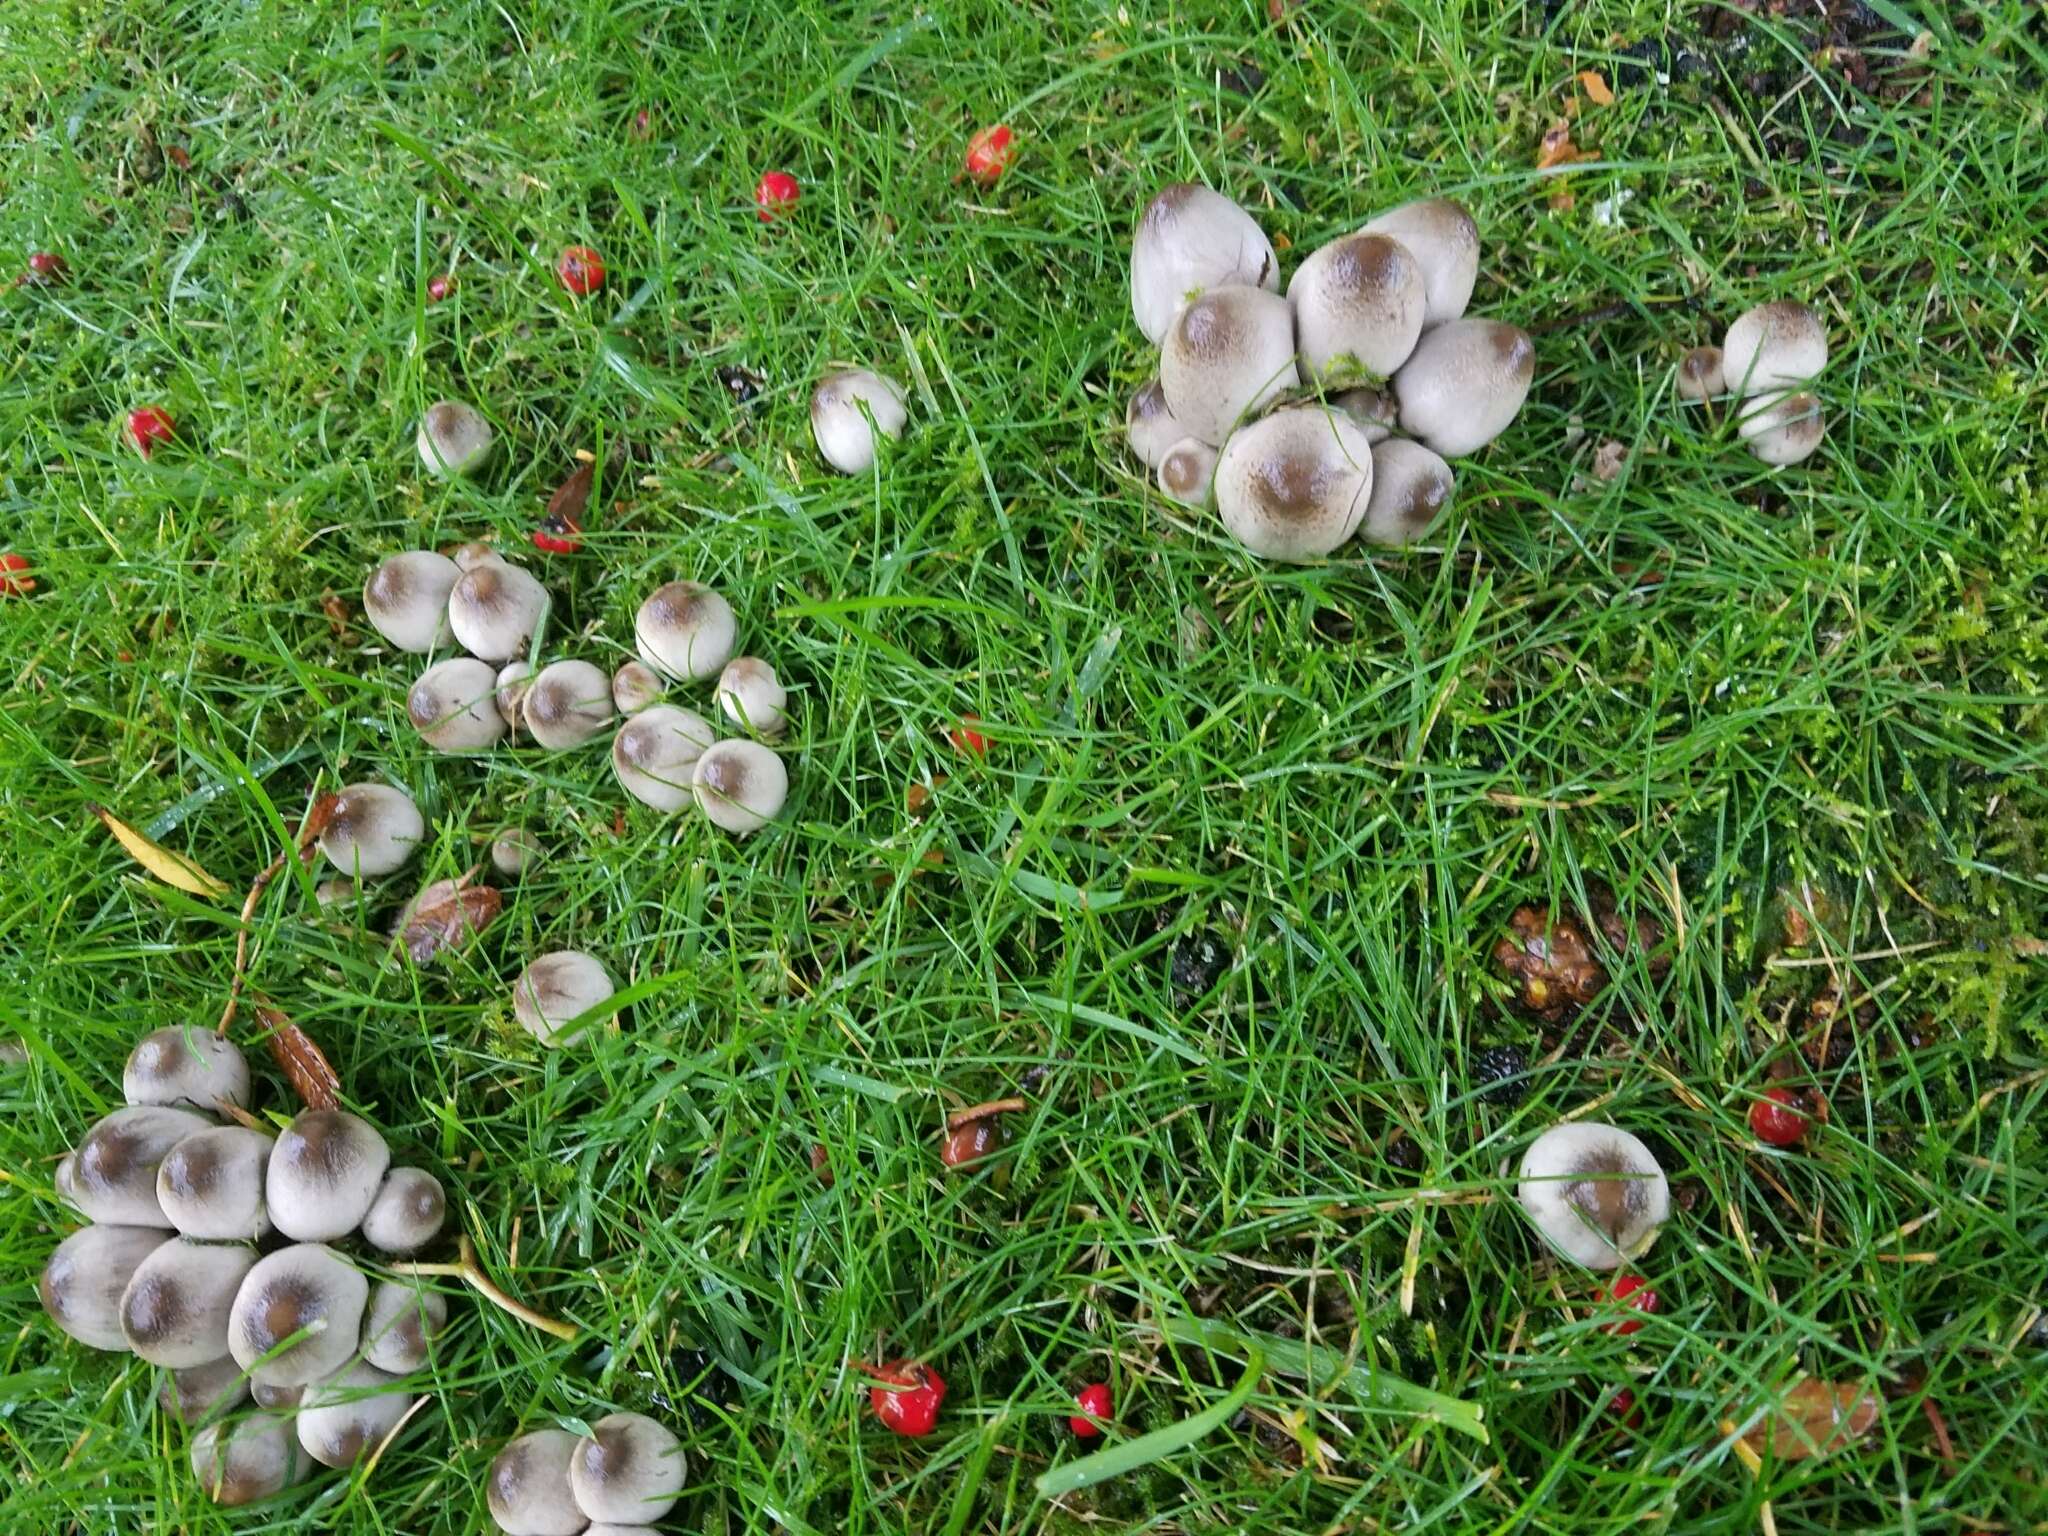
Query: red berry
(908, 1402)
(1634, 1291)
(643, 125)
(1777, 1119)
(1622, 1409)
(968, 740)
(821, 1163)
(1094, 1403)
(14, 580)
(438, 288)
(149, 426)
(47, 267)
(775, 194)
(580, 269)
(555, 543)
(988, 154)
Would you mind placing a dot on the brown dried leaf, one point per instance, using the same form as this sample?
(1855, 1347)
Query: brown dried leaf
(1557, 147)
(1816, 1418)
(566, 506)
(337, 614)
(304, 1067)
(446, 914)
(1609, 459)
(1595, 86)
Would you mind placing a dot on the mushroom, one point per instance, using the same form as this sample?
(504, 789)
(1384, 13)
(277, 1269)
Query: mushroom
(407, 1213)
(174, 1312)
(1700, 375)
(372, 830)
(349, 1414)
(307, 1289)
(513, 849)
(454, 439)
(1187, 472)
(752, 697)
(1464, 384)
(83, 1281)
(1226, 354)
(739, 785)
(476, 552)
(1149, 425)
(1294, 485)
(528, 1490)
(509, 694)
(1373, 409)
(1783, 429)
(1594, 1192)
(840, 424)
(406, 599)
(1410, 489)
(628, 1468)
(556, 989)
(191, 1068)
(635, 686)
(454, 706)
(1189, 240)
(1444, 241)
(324, 1173)
(1358, 307)
(279, 1399)
(495, 609)
(1773, 347)
(65, 1179)
(685, 630)
(655, 753)
(245, 1460)
(403, 1322)
(200, 1391)
(210, 1185)
(570, 702)
(114, 1176)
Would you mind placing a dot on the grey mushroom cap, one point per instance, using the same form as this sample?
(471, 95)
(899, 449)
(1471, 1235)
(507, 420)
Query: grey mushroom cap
(113, 1175)
(528, 1490)
(407, 1213)
(188, 1068)
(307, 1287)
(200, 1392)
(1594, 1192)
(82, 1283)
(655, 754)
(629, 1467)
(1444, 241)
(1294, 485)
(174, 1312)
(1465, 383)
(1191, 239)
(685, 630)
(840, 407)
(1411, 486)
(1375, 410)
(513, 849)
(406, 599)
(454, 706)
(753, 697)
(1700, 374)
(568, 704)
(1226, 354)
(635, 686)
(454, 439)
(740, 786)
(268, 1396)
(210, 1185)
(1150, 424)
(495, 609)
(345, 1417)
(1773, 347)
(1358, 307)
(476, 552)
(1187, 473)
(560, 986)
(65, 1179)
(373, 830)
(1783, 429)
(403, 1323)
(245, 1459)
(509, 692)
(324, 1173)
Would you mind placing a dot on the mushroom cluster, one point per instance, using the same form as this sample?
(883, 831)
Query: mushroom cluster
(1765, 362)
(615, 1481)
(208, 1256)
(1330, 410)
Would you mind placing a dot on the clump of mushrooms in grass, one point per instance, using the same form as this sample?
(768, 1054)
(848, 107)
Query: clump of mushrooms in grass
(1765, 362)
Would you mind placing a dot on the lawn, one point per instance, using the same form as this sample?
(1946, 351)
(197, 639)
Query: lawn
(1220, 899)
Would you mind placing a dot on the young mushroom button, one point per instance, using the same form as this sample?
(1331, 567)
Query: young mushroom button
(403, 1322)
(1373, 409)
(307, 1289)
(1444, 241)
(635, 686)
(740, 786)
(406, 599)
(1358, 307)
(1594, 1192)
(528, 1490)
(113, 1176)
(1465, 383)
(244, 1459)
(202, 1392)
(570, 702)
(82, 1283)
(1700, 375)
(628, 1468)
(1226, 354)
(685, 630)
(1149, 425)
(840, 407)
(1189, 240)
(495, 609)
(174, 1312)
(1187, 472)
(210, 1185)
(655, 754)
(454, 439)
(407, 1213)
(1294, 485)
(348, 1415)
(560, 986)
(1410, 489)
(509, 693)
(454, 706)
(1773, 347)
(324, 1173)
(372, 830)
(1782, 429)
(190, 1068)
(752, 697)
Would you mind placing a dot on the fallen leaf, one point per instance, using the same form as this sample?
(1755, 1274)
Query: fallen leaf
(1596, 87)
(171, 868)
(565, 507)
(1557, 147)
(446, 914)
(337, 614)
(916, 798)
(304, 1067)
(1609, 459)
(1816, 1418)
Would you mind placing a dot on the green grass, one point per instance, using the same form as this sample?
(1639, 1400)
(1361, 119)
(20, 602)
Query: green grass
(1701, 682)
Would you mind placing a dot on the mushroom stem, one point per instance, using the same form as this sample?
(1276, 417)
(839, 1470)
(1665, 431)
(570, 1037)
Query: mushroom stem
(469, 1270)
(318, 814)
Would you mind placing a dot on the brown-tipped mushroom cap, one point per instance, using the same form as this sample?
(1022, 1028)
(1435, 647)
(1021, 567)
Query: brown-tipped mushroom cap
(753, 697)
(190, 1068)
(558, 987)
(1410, 489)
(840, 424)
(347, 1416)
(1226, 354)
(403, 1322)
(373, 830)
(1189, 240)
(1700, 376)
(629, 1467)
(1773, 347)
(1783, 429)
(324, 1172)
(635, 686)
(1294, 485)
(528, 1489)
(201, 1392)
(1358, 307)
(495, 609)
(514, 678)
(685, 630)
(476, 552)
(210, 1185)
(454, 439)
(1150, 425)
(83, 1281)
(1375, 410)
(174, 1312)
(407, 1213)
(245, 1459)
(740, 786)
(1464, 384)
(570, 702)
(307, 1287)
(1594, 1192)
(1444, 241)
(1187, 472)
(655, 754)
(513, 849)
(406, 599)
(454, 706)
(113, 1177)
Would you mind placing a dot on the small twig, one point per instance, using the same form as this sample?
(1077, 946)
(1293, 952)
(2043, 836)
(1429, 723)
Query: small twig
(469, 1270)
(318, 814)
(1943, 1446)
(370, 1466)
(968, 1116)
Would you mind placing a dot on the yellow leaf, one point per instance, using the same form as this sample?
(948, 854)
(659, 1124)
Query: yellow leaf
(171, 868)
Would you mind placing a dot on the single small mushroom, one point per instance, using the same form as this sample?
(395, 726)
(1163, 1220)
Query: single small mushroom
(1594, 1192)
(1358, 307)
(628, 1468)
(1444, 241)
(174, 1312)
(1189, 240)
(245, 1459)
(1411, 486)
(1187, 473)
(1783, 429)
(1465, 383)
(82, 1282)
(739, 785)
(407, 1213)
(570, 702)
(454, 706)
(306, 1289)
(454, 439)
(1700, 376)
(635, 686)
(210, 1185)
(557, 988)
(655, 754)
(189, 1068)
(514, 678)
(336, 893)
(528, 1490)
(114, 1176)
(201, 1392)
(495, 609)
(513, 849)
(1375, 410)
(373, 830)
(753, 697)
(1227, 354)
(403, 1322)
(1773, 347)
(324, 1173)
(1149, 425)
(406, 599)
(840, 424)
(685, 630)
(1295, 485)
(345, 1417)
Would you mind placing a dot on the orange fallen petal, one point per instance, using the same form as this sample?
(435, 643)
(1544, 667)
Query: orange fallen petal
(1596, 87)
